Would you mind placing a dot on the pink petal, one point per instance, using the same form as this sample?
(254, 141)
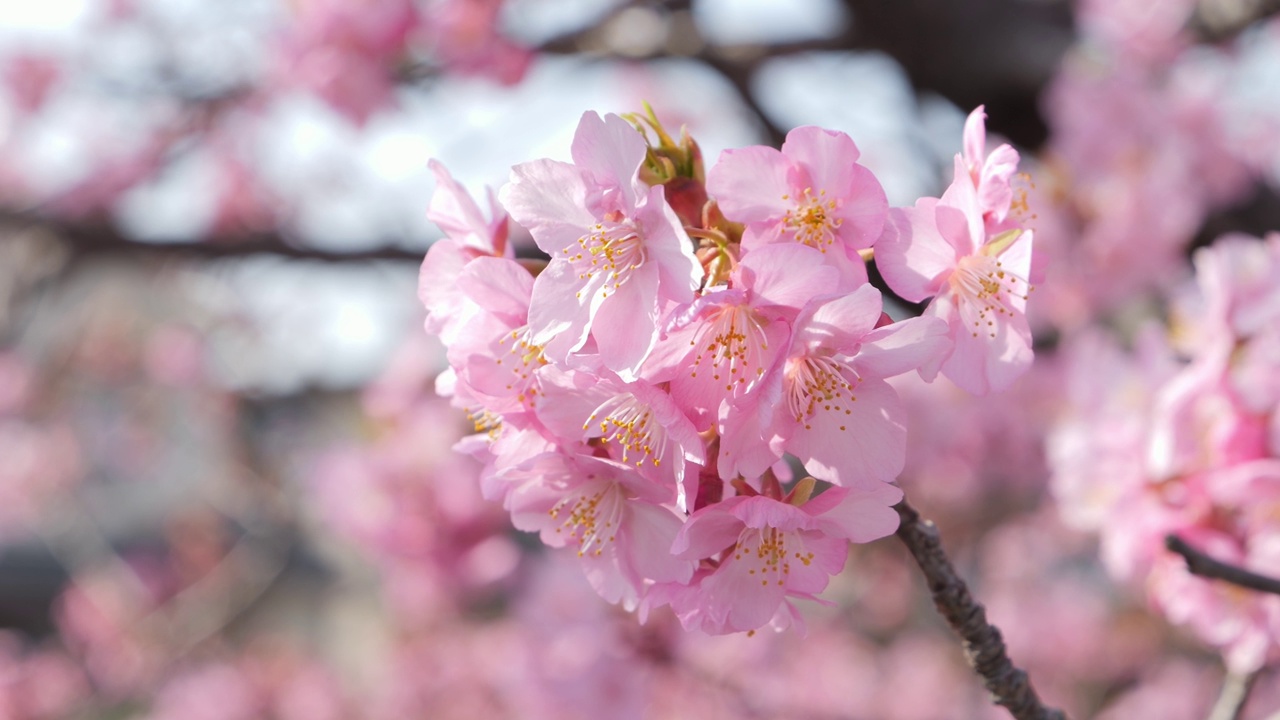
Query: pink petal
(786, 275)
(669, 248)
(975, 136)
(744, 447)
(453, 209)
(871, 445)
(827, 157)
(571, 397)
(749, 184)
(747, 601)
(611, 150)
(501, 286)
(437, 284)
(550, 199)
(981, 363)
(865, 209)
(650, 533)
(839, 323)
(557, 314)
(764, 512)
(912, 255)
(858, 514)
(962, 196)
(829, 556)
(902, 347)
(626, 324)
(708, 531)
(994, 192)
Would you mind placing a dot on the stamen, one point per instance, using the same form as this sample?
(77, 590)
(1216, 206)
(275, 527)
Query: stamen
(523, 358)
(592, 519)
(613, 252)
(982, 282)
(817, 383)
(733, 343)
(630, 424)
(812, 221)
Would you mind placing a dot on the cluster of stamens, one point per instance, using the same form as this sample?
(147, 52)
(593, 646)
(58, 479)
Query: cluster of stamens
(765, 551)
(590, 519)
(812, 220)
(982, 282)
(814, 383)
(522, 360)
(733, 341)
(1019, 206)
(612, 251)
(626, 421)
(486, 422)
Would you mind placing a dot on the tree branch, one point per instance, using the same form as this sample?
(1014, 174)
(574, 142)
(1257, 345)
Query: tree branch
(97, 237)
(1220, 20)
(84, 238)
(1234, 696)
(1200, 564)
(983, 645)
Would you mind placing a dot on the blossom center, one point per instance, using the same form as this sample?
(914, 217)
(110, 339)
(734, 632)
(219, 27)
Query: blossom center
(733, 342)
(981, 282)
(625, 420)
(765, 552)
(486, 422)
(812, 221)
(608, 254)
(522, 359)
(817, 384)
(591, 519)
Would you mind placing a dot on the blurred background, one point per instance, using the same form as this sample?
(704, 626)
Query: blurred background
(226, 486)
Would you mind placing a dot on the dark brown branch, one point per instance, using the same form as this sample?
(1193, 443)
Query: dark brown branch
(983, 645)
(1200, 564)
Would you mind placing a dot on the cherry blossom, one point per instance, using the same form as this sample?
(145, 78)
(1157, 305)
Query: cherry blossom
(613, 518)
(776, 550)
(812, 192)
(838, 415)
(979, 282)
(618, 252)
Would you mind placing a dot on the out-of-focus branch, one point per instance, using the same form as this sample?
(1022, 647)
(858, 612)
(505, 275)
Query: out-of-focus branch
(93, 237)
(1234, 696)
(1200, 564)
(994, 52)
(735, 63)
(983, 645)
(1219, 20)
(207, 606)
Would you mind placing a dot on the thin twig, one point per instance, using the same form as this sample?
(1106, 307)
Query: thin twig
(1234, 696)
(983, 645)
(1200, 564)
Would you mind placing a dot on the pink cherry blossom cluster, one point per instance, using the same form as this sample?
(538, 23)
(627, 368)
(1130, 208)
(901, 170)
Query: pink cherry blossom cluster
(645, 394)
(212, 107)
(1183, 438)
(1151, 136)
(348, 52)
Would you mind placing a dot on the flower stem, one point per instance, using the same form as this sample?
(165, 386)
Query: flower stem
(983, 645)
